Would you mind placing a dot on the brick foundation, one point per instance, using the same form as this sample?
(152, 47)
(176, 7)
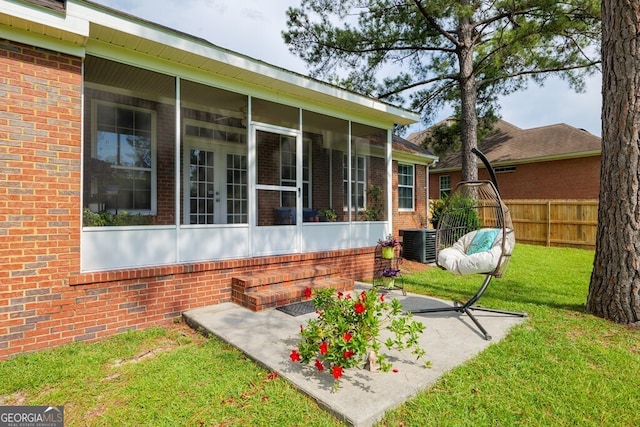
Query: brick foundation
(87, 307)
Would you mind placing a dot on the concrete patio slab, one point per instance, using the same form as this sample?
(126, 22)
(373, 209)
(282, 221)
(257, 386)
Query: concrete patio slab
(268, 337)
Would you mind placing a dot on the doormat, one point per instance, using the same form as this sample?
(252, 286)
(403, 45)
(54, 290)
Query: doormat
(298, 309)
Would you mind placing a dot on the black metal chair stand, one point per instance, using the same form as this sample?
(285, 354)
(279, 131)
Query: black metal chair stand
(468, 306)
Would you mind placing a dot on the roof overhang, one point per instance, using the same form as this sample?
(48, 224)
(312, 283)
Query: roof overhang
(32, 24)
(90, 28)
(416, 158)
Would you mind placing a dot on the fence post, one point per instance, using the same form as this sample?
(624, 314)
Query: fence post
(548, 223)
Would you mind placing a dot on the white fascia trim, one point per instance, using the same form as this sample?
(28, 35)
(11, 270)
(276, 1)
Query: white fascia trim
(43, 42)
(64, 22)
(193, 45)
(416, 159)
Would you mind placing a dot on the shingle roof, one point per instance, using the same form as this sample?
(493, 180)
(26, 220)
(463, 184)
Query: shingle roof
(508, 144)
(57, 5)
(401, 144)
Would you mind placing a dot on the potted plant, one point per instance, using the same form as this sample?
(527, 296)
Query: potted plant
(389, 275)
(327, 215)
(388, 246)
(346, 333)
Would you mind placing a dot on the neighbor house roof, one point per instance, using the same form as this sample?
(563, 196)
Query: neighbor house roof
(407, 150)
(508, 144)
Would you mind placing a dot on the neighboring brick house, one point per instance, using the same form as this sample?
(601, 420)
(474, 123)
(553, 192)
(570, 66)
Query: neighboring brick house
(145, 172)
(549, 162)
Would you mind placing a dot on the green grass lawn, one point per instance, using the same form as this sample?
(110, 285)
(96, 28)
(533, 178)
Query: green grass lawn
(562, 367)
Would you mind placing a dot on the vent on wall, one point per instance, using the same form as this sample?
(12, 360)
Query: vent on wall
(505, 169)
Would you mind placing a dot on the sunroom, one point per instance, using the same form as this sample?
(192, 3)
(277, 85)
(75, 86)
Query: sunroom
(184, 165)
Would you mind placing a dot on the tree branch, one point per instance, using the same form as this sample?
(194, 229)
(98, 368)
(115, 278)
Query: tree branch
(416, 84)
(533, 72)
(435, 24)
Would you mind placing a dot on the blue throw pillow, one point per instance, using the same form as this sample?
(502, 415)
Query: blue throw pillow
(482, 241)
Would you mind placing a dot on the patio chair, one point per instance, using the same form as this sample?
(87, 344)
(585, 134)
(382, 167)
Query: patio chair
(474, 235)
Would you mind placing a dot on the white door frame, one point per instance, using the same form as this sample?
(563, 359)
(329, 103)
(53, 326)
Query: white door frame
(280, 239)
(220, 172)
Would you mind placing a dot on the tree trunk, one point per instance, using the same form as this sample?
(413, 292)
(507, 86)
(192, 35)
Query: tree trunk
(614, 292)
(468, 98)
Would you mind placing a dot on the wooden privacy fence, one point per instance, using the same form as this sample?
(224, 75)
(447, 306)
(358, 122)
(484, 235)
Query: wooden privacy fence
(569, 223)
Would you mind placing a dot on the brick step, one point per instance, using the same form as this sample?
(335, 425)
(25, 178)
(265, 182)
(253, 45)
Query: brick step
(246, 282)
(261, 298)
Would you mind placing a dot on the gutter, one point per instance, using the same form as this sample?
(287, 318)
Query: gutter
(569, 156)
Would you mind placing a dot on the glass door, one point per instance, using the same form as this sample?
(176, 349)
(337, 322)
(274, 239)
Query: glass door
(279, 185)
(216, 187)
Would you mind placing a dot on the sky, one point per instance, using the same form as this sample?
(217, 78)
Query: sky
(254, 27)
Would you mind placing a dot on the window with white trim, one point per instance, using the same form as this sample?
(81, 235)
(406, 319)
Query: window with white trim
(358, 181)
(406, 187)
(445, 186)
(124, 146)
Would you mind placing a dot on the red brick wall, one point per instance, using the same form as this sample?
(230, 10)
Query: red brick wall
(39, 192)
(418, 217)
(44, 300)
(559, 179)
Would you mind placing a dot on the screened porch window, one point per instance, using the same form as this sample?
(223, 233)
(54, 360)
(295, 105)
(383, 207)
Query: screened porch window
(122, 157)
(128, 141)
(215, 178)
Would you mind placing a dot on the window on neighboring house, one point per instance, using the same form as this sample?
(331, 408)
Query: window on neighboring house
(124, 146)
(406, 187)
(358, 181)
(288, 171)
(445, 186)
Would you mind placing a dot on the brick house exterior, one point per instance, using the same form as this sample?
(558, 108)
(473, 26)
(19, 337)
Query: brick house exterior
(549, 162)
(58, 283)
(417, 217)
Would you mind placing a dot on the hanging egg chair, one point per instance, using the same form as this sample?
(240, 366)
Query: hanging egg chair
(474, 235)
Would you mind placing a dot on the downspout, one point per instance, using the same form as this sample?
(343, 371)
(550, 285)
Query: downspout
(428, 200)
(389, 229)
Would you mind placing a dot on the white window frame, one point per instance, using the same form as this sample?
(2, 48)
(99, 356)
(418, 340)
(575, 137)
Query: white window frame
(444, 186)
(154, 131)
(411, 187)
(354, 181)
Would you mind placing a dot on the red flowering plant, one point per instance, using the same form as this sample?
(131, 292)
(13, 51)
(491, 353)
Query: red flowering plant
(347, 332)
